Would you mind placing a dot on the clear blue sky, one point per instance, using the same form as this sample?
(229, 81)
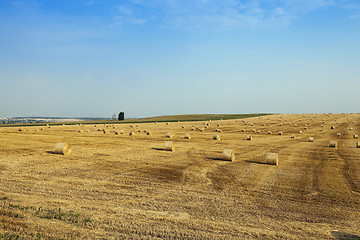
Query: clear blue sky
(94, 58)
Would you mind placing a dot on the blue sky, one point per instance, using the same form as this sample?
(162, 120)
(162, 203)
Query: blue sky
(94, 58)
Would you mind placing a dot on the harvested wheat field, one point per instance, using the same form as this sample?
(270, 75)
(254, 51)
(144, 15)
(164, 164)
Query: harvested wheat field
(121, 186)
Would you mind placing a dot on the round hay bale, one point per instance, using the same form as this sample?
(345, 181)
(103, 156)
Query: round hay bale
(187, 136)
(131, 126)
(132, 133)
(228, 155)
(63, 148)
(182, 126)
(338, 134)
(350, 128)
(105, 131)
(192, 129)
(169, 135)
(80, 131)
(138, 130)
(292, 136)
(47, 125)
(149, 133)
(121, 132)
(258, 131)
(272, 158)
(358, 144)
(243, 130)
(269, 132)
(88, 131)
(311, 139)
(253, 130)
(281, 133)
(116, 132)
(332, 127)
(22, 129)
(202, 130)
(137, 125)
(216, 137)
(295, 125)
(333, 144)
(169, 146)
(249, 138)
(356, 136)
(300, 132)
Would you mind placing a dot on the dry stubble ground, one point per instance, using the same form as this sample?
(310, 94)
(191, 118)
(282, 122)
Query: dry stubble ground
(120, 186)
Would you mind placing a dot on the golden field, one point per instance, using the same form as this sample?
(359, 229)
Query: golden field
(127, 187)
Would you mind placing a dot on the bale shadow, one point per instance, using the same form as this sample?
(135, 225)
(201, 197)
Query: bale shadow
(50, 152)
(158, 149)
(344, 236)
(216, 159)
(257, 162)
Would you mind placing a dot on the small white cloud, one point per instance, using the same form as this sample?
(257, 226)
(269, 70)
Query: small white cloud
(25, 4)
(124, 10)
(225, 15)
(355, 16)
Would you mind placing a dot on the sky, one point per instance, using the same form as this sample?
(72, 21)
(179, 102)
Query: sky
(95, 58)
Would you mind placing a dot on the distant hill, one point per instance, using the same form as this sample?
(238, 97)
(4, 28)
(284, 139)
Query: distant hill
(196, 117)
(170, 118)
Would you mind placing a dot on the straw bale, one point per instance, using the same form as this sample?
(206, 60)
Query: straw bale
(272, 158)
(216, 137)
(63, 148)
(169, 146)
(169, 135)
(228, 155)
